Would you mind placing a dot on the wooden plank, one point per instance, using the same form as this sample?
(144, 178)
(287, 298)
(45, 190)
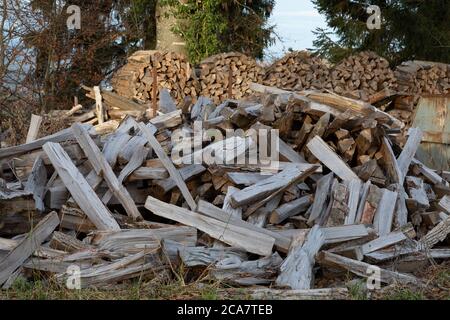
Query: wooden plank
(354, 190)
(102, 167)
(360, 269)
(344, 233)
(383, 242)
(166, 103)
(100, 111)
(135, 162)
(290, 209)
(329, 158)
(436, 235)
(302, 295)
(246, 178)
(147, 173)
(323, 191)
(390, 162)
(384, 216)
(186, 174)
(27, 246)
(33, 130)
(282, 243)
(266, 187)
(296, 271)
(296, 180)
(235, 213)
(60, 136)
(290, 154)
(362, 201)
(79, 188)
(36, 183)
(168, 164)
(253, 242)
(409, 151)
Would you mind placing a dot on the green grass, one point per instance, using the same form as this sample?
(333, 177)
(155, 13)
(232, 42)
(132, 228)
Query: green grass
(405, 294)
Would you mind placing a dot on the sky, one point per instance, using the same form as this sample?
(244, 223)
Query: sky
(295, 20)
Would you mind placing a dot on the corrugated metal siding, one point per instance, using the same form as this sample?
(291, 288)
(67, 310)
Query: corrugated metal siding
(433, 117)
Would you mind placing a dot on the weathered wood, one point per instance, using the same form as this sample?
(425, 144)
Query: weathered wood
(246, 239)
(362, 201)
(390, 162)
(296, 180)
(79, 188)
(436, 235)
(174, 173)
(135, 162)
(328, 157)
(311, 294)
(383, 242)
(266, 187)
(384, 216)
(296, 271)
(166, 103)
(344, 233)
(323, 191)
(102, 167)
(290, 209)
(60, 136)
(27, 246)
(360, 269)
(36, 183)
(186, 173)
(246, 178)
(99, 105)
(354, 190)
(282, 243)
(33, 130)
(235, 213)
(409, 151)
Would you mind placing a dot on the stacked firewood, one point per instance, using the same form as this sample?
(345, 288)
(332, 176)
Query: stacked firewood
(297, 71)
(422, 78)
(228, 76)
(335, 192)
(173, 72)
(361, 76)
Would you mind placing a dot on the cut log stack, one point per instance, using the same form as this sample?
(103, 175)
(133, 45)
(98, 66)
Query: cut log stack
(297, 71)
(423, 78)
(135, 202)
(228, 76)
(174, 72)
(361, 76)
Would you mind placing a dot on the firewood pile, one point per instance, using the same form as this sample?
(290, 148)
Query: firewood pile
(297, 71)
(420, 77)
(361, 76)
(228, 75)
(173, 72)
(336, 194)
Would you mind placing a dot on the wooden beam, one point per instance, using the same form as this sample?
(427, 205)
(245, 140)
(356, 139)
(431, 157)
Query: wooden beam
(360, 269)
(253, 242)
(33, 130)
(102, 167)
(266, 187)
(290, 209)
(384, 216)
(409, 151)
(99, 105)
(168, 164)
(27, 246)
(329, 158)
(206, 208)
(296, 271)
(81, 191)
(321, 195)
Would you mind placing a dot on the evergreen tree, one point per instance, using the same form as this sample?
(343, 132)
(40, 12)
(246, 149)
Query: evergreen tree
(214, 26)
(410, 29)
